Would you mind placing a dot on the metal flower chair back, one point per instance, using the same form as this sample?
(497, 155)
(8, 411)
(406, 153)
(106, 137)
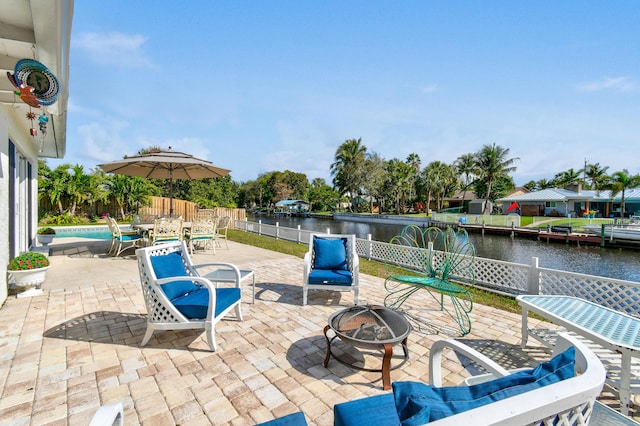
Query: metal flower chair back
(166, 230)
(431, 259)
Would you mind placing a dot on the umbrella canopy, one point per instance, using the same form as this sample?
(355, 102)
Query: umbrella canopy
(165, 165)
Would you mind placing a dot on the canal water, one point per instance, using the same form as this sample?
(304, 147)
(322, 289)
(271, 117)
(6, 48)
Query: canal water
(617, 263)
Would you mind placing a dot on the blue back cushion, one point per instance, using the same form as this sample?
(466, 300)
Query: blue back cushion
(330, 253)
(170, 265)
(416, 401)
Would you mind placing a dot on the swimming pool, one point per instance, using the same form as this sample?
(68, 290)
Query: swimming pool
(93, 232)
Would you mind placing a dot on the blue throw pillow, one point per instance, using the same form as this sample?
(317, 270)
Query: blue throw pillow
(330, 253)
(413, 399)
(170, 265)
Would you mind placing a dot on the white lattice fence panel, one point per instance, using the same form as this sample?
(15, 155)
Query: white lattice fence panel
(620, 295)
(510, 277)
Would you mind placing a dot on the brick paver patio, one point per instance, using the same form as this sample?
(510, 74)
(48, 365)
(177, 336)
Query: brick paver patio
(65, 353)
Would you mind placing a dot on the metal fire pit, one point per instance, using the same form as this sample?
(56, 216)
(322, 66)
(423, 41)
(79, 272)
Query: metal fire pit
(369, 327)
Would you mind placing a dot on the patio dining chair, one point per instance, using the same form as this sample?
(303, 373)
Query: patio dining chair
(202, 232)
(221, 230)
(177, 297)
(331, 264)
(166, 230)
(122, 240)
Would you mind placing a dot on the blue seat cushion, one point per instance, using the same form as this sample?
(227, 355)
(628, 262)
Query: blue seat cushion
(295, 419)
(335, 277)
(330, 253)
(417, 401)
(379, 410)
(170, 265)
(129, 237)
(194, 305)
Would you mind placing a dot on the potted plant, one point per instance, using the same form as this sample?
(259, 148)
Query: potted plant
(28, 270)
(45, 235)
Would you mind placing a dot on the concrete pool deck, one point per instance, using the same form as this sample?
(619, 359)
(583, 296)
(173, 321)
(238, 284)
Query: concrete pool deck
(76, 347)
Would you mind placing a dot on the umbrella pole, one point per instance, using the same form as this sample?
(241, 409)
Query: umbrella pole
(171, 197)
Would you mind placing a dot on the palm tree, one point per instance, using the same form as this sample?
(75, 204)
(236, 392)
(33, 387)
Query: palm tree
(466, 166)
(413, 160)
(621, 181)
(568, 177)
(597, 175)
(493, 162)
(399, 177)
(437, 179)
(347, 169)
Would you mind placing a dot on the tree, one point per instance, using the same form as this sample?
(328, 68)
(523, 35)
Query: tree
(466, 166)
(493, 163)
(437, 180)
(413, 160)
(597, 175)
(347, 169)
(568, 177)
(398, 181)
(374, 179)
(620, 182)
(321, 196)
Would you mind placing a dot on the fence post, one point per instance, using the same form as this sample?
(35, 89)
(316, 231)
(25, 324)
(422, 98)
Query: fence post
(328, 230)
(534, 277)
(299, 235)
(277, 230)
(260, 227)
(368, 248)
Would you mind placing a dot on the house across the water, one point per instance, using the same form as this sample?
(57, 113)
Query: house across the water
(292, 208)
(574, 203)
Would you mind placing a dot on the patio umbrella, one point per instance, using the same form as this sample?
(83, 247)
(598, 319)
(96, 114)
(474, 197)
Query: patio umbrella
(165, 165)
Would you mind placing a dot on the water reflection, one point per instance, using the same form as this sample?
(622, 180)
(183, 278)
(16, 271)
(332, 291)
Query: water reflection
(607, 262)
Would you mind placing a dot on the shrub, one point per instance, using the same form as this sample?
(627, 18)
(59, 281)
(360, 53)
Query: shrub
(46, 231)
(28, 260)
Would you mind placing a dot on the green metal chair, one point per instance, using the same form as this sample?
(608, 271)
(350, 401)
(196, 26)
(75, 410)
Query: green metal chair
(431, 259)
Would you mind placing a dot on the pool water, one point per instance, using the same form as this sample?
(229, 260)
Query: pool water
(94, 232)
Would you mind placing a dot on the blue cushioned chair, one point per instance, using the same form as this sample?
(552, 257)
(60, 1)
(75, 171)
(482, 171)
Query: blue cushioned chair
(331, 264)
(561, 391)
(177, 297)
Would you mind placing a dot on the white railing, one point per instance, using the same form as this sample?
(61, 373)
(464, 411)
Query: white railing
(492, 275)
(477, 219)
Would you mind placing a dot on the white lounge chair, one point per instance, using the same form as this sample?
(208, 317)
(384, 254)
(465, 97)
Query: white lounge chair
(558, 392)
(177, 297)
(331, 264)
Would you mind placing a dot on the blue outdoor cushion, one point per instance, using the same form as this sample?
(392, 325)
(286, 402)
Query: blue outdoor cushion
(330, 253)
(170, 265)
(194, 305)
(415, 401)
(379, 410)
(129, 237)
(323, 276)
(295, 419)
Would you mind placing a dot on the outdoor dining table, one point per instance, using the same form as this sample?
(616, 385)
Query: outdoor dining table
(146, 227)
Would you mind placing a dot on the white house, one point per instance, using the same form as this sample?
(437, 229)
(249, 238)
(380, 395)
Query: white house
(39, 30)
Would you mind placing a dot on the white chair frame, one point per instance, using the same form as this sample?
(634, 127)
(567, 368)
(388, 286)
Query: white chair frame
(352, 259)
(568, 402)
(118, 245)
(162, 315)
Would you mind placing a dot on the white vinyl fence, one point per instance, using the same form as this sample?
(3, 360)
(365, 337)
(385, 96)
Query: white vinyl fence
(492, 275)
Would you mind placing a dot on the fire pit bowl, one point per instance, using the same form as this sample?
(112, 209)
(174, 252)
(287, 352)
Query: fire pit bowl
(369, 326)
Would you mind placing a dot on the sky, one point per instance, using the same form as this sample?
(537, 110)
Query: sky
(261, 86)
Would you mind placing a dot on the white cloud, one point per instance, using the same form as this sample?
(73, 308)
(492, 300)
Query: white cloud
(430, 88)
(617, 84)
(125, 50)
